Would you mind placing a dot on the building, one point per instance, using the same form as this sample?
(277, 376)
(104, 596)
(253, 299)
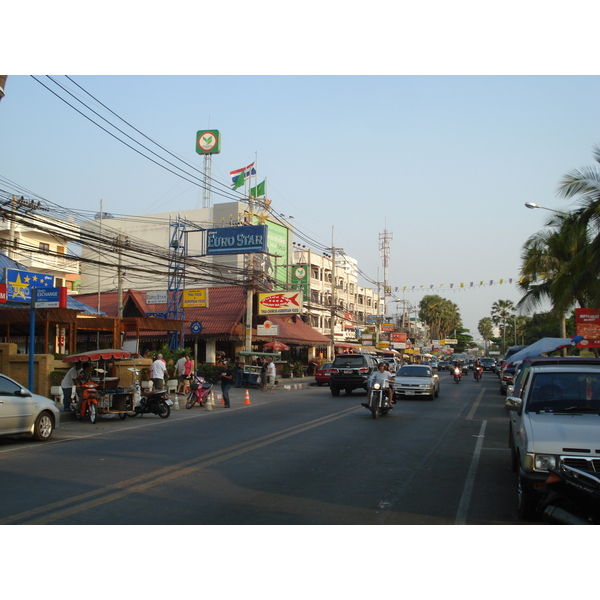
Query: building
(353, 307)
(39, 243)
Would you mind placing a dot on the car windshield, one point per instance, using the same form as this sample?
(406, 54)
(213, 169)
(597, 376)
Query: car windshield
(414, 372)
(563, 392)
(349, 361)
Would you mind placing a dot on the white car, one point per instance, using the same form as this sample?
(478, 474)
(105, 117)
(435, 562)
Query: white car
(554, 420)
(416, 380)
(22, 412)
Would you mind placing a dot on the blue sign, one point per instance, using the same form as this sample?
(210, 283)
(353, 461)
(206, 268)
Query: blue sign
(19, 284)
(158, 315)
(196, 327)
(236, 240)
(55, 297)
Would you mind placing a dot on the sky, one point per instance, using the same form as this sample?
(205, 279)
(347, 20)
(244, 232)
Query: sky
(441, 155)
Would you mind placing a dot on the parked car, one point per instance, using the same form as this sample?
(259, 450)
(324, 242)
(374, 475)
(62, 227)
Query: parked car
(322, 374)
(351, 371)
(507, 374)
(554, 420)
(416, 380)
(22, 412)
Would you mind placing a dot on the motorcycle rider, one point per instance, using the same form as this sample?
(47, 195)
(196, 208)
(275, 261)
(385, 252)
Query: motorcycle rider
(383, 377)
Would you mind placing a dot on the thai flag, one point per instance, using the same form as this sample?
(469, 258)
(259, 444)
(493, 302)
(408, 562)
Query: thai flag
(247, 171)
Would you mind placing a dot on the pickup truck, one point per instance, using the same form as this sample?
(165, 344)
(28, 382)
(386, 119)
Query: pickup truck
(554, 419)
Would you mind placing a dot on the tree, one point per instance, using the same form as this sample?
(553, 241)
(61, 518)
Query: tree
(486, 330)
(501, 311)
(439, 314)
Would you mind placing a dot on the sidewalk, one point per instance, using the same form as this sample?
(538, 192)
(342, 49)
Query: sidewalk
(298, 383)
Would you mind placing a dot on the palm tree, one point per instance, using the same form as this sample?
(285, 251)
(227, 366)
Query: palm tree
(501, 311)
(486, 330)
(439, 314)
(582, 278)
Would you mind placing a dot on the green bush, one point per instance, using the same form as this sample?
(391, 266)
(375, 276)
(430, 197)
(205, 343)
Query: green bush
(57, 376)
(209, 372)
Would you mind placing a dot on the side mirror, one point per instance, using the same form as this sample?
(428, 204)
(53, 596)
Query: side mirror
(513, 403)
(23, 393)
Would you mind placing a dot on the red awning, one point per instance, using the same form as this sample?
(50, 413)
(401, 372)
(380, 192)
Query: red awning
(97, 355)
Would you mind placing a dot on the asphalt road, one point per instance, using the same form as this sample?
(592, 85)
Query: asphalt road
(295, 457)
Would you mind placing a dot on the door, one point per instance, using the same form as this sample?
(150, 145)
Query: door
(16, 411)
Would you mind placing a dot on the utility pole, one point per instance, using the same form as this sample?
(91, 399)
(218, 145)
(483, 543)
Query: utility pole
(333, 293)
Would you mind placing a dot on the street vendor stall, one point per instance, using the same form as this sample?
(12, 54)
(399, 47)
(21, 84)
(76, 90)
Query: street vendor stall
(251, 373)
(112, 399)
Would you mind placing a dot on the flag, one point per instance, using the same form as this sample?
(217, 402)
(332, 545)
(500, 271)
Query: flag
(246, 172)
(259, 190)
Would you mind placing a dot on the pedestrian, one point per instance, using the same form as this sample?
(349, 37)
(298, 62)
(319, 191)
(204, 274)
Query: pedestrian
(180, 372)
(271, 375)
(263, 375)
(67, 384)
(239, 372)
(159, 368)
(226, 380)
(188, 371)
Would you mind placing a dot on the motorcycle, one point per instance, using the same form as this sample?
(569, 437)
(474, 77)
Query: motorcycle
(199, 390)
(155, 402)
(571, 497)
(380, 402)
(457, 374)
(89, 404)
(477, 373)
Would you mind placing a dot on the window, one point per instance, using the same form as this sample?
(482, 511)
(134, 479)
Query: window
(45, 248)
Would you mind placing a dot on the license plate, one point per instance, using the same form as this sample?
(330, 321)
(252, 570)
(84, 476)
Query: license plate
(169, 402)
(409, 393)
(348, 372)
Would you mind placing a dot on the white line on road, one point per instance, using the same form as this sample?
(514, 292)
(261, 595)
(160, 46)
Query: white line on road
(463, 507)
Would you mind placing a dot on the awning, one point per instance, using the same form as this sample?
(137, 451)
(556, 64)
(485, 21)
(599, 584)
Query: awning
(97, 355)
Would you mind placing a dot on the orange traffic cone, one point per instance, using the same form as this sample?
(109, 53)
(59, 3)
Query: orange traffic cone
(247, 397)
(222, 399)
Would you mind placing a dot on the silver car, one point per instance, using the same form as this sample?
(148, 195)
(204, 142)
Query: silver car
(417, 380)
(22, 412)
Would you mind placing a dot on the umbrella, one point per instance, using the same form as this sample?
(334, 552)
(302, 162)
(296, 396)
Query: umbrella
(97, 355)
(277, 346)
(542, 346)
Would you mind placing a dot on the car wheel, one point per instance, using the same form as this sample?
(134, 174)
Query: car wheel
(525, 503)
(319, 383)
(44, 426)
(334, 391)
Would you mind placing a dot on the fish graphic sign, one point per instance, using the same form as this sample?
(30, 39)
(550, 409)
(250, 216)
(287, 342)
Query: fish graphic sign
(280, 303)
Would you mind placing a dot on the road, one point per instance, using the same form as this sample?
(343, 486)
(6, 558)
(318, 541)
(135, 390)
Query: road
(295, 457)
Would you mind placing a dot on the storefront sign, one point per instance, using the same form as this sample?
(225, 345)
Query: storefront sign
(156, 297)
(195, 298)
(280, 303)
(236, 240)
(587, 324)
(19, 284)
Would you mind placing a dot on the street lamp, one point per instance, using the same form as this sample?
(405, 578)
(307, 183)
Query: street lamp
(533, 205)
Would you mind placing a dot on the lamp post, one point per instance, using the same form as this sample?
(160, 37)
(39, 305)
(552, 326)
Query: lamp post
(533, 205)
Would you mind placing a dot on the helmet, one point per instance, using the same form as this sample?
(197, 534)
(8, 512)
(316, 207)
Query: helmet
(381, 364)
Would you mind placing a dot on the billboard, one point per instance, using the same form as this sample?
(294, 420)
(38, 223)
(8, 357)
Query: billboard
(195, 298)
(280, 303)
(587, 323)
(236, 240)
(19, 284)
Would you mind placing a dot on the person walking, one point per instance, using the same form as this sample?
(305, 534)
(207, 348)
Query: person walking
(180, 371)
(271, 375)
(188, 371)
(226, 381)
(263, 375)
(159, 368)
(67, 384)
(239, 372)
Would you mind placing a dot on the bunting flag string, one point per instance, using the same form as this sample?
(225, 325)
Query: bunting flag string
(458, 286)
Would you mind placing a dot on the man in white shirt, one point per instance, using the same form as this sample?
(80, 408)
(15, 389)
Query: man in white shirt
(180, 370)
(159, 368)
(68, 383)
(271, 375)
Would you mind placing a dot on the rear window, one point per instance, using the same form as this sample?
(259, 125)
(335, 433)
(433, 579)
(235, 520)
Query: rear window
(414, 372)
(349, 361)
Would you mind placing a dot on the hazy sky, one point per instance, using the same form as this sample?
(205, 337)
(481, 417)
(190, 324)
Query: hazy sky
(443, 163)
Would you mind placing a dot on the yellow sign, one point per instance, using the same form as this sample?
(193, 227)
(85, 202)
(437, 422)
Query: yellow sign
(280, 303)
(195, 298)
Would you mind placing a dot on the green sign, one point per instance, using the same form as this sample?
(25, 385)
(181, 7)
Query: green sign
(208, 141)
(300, 278)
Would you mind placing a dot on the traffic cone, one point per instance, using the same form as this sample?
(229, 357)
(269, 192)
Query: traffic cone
(247, 397)
(176, 402)
(209, 402)
(222, 399)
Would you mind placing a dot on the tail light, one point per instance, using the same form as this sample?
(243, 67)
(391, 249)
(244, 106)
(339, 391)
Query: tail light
(363, 371)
